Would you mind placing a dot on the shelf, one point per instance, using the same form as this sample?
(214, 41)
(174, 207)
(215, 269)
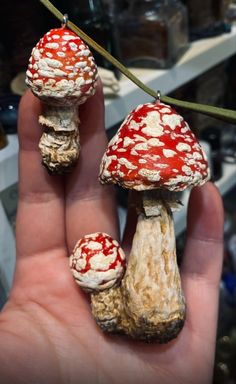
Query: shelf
(201, 56)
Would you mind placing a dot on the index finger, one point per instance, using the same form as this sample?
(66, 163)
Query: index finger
(90, 206)
(40, 215)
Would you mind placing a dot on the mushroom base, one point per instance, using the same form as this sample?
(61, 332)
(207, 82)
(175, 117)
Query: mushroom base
(59, 150)
(149, 304)
(59, 144)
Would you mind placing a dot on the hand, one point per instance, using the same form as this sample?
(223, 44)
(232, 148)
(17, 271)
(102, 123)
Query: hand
(47, 331)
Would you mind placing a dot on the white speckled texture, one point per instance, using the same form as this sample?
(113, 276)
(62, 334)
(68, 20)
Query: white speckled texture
(61, 68)
(154, 148)
(97, 262)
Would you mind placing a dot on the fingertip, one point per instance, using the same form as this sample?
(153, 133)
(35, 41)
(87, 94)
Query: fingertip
(205, 213)
(91, 113)
(29, 130)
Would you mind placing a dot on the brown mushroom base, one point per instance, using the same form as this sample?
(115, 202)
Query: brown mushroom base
(59, 150)
(59, 144)
(149, 304)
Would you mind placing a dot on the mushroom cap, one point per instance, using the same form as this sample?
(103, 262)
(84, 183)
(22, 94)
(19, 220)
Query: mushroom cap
(61, 66)
(154, 148)
(97, 262)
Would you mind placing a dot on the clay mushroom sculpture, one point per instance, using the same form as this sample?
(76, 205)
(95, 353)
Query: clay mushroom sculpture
(63, 74)
(97, 262)
(154, 152)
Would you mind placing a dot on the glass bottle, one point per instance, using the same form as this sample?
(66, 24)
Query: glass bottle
(153, 33)
(91, 17)
(207, 17)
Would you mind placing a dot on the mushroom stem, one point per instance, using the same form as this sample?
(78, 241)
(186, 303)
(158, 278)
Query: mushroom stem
(60, 117)
(152, 288)
(59, 144)
(149, 304)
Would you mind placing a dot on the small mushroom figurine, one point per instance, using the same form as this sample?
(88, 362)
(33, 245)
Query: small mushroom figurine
(154, 152)
(97, 262)
(63, 74)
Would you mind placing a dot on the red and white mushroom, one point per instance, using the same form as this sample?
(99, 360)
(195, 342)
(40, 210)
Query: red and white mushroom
(63, 74)
(154, 150)
(97, 262)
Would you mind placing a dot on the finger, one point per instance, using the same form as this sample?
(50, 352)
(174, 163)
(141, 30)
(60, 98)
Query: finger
(90, 206)
(131, 221)
(202, 263)
(40, 216)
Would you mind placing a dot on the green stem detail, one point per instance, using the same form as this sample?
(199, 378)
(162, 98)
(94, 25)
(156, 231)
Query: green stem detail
(218, 113)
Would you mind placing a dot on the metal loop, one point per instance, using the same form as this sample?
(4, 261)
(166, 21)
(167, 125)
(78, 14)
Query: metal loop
(158, 98)
(64, 20)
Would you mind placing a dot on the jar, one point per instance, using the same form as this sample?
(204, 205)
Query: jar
(153, 33)
(207, 17)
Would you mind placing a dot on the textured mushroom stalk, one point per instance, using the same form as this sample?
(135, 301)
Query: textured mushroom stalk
(149, 305)
(63, 74)
(59, 150)
(59, 144)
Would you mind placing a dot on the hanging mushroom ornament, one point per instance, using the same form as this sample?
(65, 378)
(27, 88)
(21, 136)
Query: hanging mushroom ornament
(63, 74)
(154, 152)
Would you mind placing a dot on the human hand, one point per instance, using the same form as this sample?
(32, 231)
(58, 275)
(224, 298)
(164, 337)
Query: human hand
(47, 331)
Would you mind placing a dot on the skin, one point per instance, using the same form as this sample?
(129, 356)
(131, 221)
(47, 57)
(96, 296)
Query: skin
(47, 331)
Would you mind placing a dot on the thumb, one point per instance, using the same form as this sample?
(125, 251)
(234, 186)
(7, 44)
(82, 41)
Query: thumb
(202, 263)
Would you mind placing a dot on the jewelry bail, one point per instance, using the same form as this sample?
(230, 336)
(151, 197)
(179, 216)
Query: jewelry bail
(64, 20)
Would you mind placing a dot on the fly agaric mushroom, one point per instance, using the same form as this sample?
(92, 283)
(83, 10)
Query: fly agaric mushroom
(97, 262)
(154, 150)
(63, 74)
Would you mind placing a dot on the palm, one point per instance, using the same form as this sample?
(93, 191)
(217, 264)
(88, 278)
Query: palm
(48, 320)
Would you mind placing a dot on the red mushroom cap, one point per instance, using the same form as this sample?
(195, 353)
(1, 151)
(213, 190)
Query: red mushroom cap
(154, 148)
(97, 262)
(61, 65)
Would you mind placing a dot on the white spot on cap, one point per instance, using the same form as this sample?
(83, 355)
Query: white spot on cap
(36, 54)
(52, 63)
(172, 120)
(151, 175)
(81, 64)
(29, 74)
(61, 54)
(127, 141)
(187, 170)
(197, 156)
(169, 153)
(94, 245)
(68, 37)
(134, 125)
(183, 147)
(52, 45)
(154, 142)
(127, 163)
(141, 147)
(73, 46)
(142, 161)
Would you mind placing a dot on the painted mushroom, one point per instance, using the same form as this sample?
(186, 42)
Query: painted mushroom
(155, 153)
(97, 263)
(63, 74)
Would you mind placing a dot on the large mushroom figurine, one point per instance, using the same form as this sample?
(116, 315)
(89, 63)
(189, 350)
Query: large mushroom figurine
(154, 152)
(63, 74)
